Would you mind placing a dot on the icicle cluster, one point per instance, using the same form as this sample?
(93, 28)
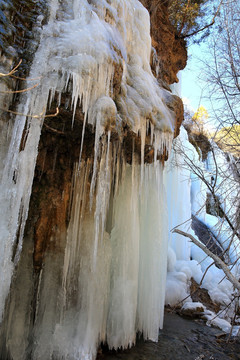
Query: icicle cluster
(78, 52)
(115, 287)
(114, 269)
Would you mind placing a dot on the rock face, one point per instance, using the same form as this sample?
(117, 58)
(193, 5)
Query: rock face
(18, 20)
(171, 51)
(207, 237)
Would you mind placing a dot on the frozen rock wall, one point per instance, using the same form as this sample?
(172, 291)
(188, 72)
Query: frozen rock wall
(83, 217)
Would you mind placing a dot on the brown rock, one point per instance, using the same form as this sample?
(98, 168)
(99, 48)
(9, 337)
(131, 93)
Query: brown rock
(171, 51)
(192, 310)
(200, 294)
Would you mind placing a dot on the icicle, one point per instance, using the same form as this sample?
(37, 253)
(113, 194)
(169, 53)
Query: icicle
(82, 138)
(107, 184)
(156, 62)
(162, 142)
(117, 172)
(98, 133)
(104, 113)
(108, 147)
(143, 140)
(133, 158)
(114, 164)
(84, 315)
(156, 146)
(15, 190)
(102, 196)
(121, 328)
(74, 231)
(169, 143)
(152, 132)
(153, 254)
(178, 184)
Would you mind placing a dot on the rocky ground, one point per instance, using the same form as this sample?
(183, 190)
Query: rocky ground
(185, 336)
(181, 339)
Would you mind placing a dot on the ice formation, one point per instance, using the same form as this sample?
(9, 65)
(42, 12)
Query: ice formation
(112, 293)
(113, 271)
(178, 183)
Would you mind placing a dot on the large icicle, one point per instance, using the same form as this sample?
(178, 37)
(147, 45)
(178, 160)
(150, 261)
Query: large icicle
(135, 254)
(85, 286)
(121, 325)
(178, 183)
(15, 192)
(153, 253)
(139, 255)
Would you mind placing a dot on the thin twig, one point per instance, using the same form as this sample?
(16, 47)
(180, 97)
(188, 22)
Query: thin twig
(26, 79)
(12, 71)
(53, 130)
(19, 91)
(32, 116)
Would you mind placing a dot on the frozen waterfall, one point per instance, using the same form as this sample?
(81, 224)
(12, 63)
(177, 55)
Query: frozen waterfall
(109, 281)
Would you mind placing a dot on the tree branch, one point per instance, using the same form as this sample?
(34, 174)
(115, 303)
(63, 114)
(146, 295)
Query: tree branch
(12, 71)
(217, 260)
(206, 26)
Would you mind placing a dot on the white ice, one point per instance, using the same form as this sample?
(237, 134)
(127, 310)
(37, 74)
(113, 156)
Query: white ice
(79, 50)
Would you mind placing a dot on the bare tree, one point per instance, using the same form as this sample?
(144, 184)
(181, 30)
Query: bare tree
(220, 169)
(222, 68)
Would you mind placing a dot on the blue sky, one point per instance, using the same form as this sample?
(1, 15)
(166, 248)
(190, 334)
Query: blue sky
(192, 82)
(194, 90)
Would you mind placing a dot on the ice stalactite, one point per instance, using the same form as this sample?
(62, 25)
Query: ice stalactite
(153, 250)
(15, 190)
(121, 324)
(110, 295)
(83, 304)
(177, 180)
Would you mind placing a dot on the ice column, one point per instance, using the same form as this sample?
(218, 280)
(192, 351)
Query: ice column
(177, 179)
(121, 325)
(153, 252)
